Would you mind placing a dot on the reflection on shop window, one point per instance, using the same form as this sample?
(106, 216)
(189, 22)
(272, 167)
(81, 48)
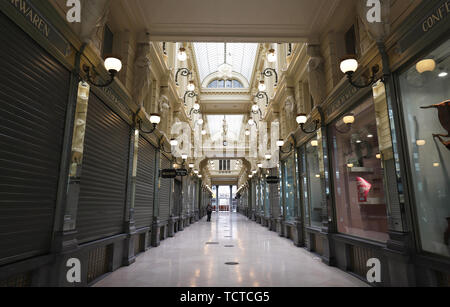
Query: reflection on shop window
(425, 94)
(358, 176)
(314, 183)
(289, 186)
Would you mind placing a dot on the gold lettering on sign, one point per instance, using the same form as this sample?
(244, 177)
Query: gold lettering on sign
(441, 13)
(35, 19)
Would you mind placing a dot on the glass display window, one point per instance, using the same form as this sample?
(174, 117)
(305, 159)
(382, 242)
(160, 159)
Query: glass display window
(314, 182)
(425, 93)
(358, 175)
(290, 186)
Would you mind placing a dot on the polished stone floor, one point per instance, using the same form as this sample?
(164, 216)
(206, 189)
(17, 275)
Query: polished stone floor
(265, 260)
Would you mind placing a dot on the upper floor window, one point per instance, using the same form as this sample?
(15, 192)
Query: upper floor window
(225, 84)
(224, 165)
(108, 38)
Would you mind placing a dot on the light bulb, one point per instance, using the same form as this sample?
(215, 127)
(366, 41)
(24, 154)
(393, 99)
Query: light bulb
(350, 165)
(173, 142)
(155, 118)
(314, 143)
(200, 122)
(271, 56)
(378, 156)
(280, 143)
(255, 108)
(262, 86)
(268, 156)
(182, 56)
(203, 132)
(113, 64)
(196, 172)
(443, 74)
(349, 119)
(247, 132)
(191, 165)
(421, 142)
(191, 86)
(425, 65)
(349, 65)
(184, 156)
(196, 106)
(301, 118)
(251, 122)
(260, 165)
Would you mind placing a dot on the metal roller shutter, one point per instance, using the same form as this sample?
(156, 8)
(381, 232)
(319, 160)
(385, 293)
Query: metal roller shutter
(145, 178)
(104, 174)
(34, 91)
(177, 198)
(164, 192)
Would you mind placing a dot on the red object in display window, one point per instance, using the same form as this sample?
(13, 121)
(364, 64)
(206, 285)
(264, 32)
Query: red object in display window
(363, 189)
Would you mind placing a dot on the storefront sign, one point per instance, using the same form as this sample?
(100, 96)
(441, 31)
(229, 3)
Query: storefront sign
(272, 180)
(35, 18)
(168, 173)
(438, 16)
(182, 172)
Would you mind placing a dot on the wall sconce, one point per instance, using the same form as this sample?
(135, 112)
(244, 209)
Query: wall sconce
(112, 64)
(195, 109)
(260, 165)
(261, 95)
(256, 110)
(172, 143)
(302, 119)
(252, 122)
(191, 165)
(189, 94)
(182, 55)
(155, 119)
(268, 156)
(280, 144)
(272, 56)
(269, 72)
(184, 72)
(349, 65)
(348, 120)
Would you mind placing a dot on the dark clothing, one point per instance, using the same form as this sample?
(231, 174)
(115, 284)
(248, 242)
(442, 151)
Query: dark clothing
(209, 212)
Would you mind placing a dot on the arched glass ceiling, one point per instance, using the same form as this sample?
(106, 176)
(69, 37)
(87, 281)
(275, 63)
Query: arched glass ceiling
(234, 123)
(210, 56)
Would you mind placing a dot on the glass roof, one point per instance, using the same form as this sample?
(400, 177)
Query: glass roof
(210, 56)
(234, 125)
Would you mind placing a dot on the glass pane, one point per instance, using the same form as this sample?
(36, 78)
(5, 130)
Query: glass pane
(314, 186)
(426, 107)
(289, 184)
(221, 84)
(358, 176)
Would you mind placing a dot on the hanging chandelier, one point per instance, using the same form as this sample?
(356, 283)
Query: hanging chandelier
(225, 69)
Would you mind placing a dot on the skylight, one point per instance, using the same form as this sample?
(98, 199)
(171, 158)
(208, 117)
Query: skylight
(234, 123)
(210, 56)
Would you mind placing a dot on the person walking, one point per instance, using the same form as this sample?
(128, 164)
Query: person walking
(209, 210)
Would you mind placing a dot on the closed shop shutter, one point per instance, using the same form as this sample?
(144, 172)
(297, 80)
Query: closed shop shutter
(104, 174)
(177, 198)
(164, 192)
(145, 178)
(34, 91)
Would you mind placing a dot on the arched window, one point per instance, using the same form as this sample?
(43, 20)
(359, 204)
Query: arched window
(225, 84)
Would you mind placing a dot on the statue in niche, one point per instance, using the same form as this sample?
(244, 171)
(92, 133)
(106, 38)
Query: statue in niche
(142, 70)
(444, 118)
(316, 74)
(164, 107)
(93, 17)
(289, 109)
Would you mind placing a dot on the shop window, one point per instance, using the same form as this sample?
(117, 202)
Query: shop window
(266, 200)
(350, 40)
(358, 176)
(425, 93)
(314, 183)
(290, 186)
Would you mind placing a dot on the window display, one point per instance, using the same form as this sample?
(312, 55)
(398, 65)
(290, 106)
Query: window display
(314, 179)
(425, 94)
(358, 174)
(290, 186)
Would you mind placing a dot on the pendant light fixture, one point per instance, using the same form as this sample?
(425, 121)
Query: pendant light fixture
(225, 70)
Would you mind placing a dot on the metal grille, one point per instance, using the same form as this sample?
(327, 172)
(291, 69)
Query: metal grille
(17, 281)
(145, 178)
(33, 97)
(358, 259)
(98, 262)
(177, 198)
(443, 279)
(104, 174)
(164, 192)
